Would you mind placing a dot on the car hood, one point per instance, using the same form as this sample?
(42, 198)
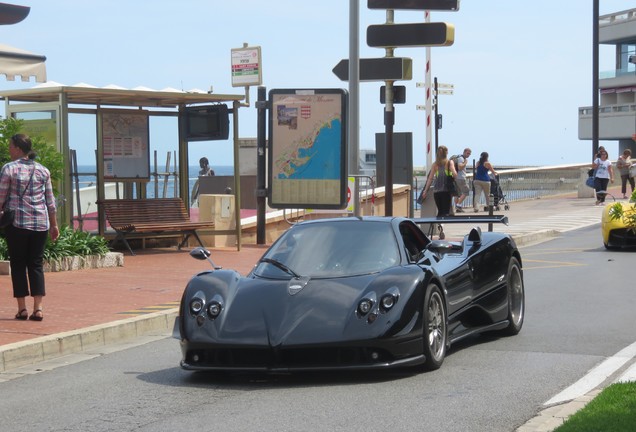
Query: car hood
(263, 312)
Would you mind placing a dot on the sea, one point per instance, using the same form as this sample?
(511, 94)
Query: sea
(87, 177)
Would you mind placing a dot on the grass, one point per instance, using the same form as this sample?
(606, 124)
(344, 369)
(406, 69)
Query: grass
(614, 409)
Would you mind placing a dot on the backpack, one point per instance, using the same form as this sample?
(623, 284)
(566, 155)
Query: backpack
(454, 159)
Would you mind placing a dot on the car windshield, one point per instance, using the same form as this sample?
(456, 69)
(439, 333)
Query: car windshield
(333, 249)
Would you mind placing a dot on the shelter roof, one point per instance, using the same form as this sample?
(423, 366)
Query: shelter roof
(112, 95)
(18, 62)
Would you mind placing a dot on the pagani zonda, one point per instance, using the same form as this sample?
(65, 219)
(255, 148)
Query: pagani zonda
(352, 293)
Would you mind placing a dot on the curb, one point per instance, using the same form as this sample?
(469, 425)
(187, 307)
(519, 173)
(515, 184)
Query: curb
(550, 418)
(49, 347)
(531, 238)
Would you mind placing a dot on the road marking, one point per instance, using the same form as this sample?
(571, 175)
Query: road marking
(595, 376)
(561, 222)
(543, 252)
(550, 265)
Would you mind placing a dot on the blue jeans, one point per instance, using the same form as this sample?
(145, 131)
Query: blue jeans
(600, 185)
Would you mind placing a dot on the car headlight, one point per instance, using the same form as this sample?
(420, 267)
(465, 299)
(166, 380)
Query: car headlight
(196, 305)
(214, 309)
(365, 306)
(387, 302)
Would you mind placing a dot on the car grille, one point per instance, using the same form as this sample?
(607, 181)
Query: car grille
(287, 358)
(622, 237)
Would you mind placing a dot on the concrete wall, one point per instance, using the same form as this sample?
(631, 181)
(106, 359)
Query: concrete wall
(279, 221)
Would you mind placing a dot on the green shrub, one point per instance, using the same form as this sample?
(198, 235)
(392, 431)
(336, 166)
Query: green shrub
(47, 153)
(70, 243)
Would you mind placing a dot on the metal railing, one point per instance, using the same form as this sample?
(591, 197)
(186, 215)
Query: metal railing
(526, 183)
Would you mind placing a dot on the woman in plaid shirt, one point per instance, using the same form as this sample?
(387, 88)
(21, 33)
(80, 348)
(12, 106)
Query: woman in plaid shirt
(25, 186)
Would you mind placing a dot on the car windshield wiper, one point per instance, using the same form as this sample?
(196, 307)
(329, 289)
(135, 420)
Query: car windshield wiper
(281, 266)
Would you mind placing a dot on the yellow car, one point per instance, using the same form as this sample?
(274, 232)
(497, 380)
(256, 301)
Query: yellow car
(618, 224)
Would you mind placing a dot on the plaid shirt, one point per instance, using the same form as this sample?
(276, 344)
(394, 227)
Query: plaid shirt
(32, 211)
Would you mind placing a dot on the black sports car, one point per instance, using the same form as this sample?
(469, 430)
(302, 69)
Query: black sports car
(352, 293)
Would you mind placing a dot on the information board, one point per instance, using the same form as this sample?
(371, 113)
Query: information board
(125, 146)
(307, 149)
(246, 67)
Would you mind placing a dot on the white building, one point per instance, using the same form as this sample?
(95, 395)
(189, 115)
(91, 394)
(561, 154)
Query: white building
(617, 102)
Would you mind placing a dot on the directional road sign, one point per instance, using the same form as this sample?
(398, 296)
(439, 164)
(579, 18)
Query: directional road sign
(378, 69)
(447, 5)
(399, 94)
(410, 35)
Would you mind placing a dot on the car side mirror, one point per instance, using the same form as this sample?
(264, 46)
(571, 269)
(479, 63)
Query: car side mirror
(203, 254)
(200, 253)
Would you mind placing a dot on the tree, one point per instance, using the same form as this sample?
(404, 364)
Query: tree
(47, 154)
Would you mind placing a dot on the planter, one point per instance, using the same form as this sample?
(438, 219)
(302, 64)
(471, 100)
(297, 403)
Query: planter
(111, 259)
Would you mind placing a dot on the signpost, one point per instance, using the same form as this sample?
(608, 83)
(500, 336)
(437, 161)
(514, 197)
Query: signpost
(246, 67)
(440, 5)
(390, 36)
(399, 94)
(378, 69)
(410, 35)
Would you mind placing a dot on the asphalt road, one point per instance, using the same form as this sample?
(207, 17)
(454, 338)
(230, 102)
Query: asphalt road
(579, 310)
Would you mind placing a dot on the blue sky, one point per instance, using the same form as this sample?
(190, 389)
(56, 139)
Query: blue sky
(520, 69)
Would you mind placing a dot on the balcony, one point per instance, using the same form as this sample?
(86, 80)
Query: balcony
(617, 27)
(615, 122)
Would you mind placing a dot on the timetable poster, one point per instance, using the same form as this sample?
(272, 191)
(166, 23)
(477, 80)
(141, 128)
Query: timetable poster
(125, 145)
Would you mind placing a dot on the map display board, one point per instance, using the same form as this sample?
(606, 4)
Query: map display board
(307, 149)
(125, 145)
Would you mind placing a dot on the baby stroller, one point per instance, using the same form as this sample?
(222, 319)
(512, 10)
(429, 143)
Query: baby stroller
(497, 194)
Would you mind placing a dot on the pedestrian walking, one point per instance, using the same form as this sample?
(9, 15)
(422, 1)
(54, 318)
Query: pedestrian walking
(624, 164)
(603, 174)
(25, 187)
(481, 181)
(442, 169)
(462, 182)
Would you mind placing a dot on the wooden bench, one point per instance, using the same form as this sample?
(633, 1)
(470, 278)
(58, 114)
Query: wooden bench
(151, 217)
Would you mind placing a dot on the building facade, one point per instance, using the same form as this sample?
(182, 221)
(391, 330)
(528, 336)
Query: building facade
(617, 87)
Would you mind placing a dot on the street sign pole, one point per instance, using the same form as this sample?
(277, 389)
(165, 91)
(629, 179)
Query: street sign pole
(429, 106)
(436, 106)
(389, 120)
(354, 99)
(261, 165)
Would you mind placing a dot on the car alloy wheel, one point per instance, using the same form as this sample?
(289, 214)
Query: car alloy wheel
(435, 332)
(516, 298)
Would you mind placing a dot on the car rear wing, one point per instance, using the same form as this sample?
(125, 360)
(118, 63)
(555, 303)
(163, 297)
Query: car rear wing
(433, 222)
(462, 219)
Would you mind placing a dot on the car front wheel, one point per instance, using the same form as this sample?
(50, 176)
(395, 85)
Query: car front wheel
(435, 331)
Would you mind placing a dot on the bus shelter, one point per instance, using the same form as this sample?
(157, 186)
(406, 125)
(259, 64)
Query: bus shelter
(45, 108)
